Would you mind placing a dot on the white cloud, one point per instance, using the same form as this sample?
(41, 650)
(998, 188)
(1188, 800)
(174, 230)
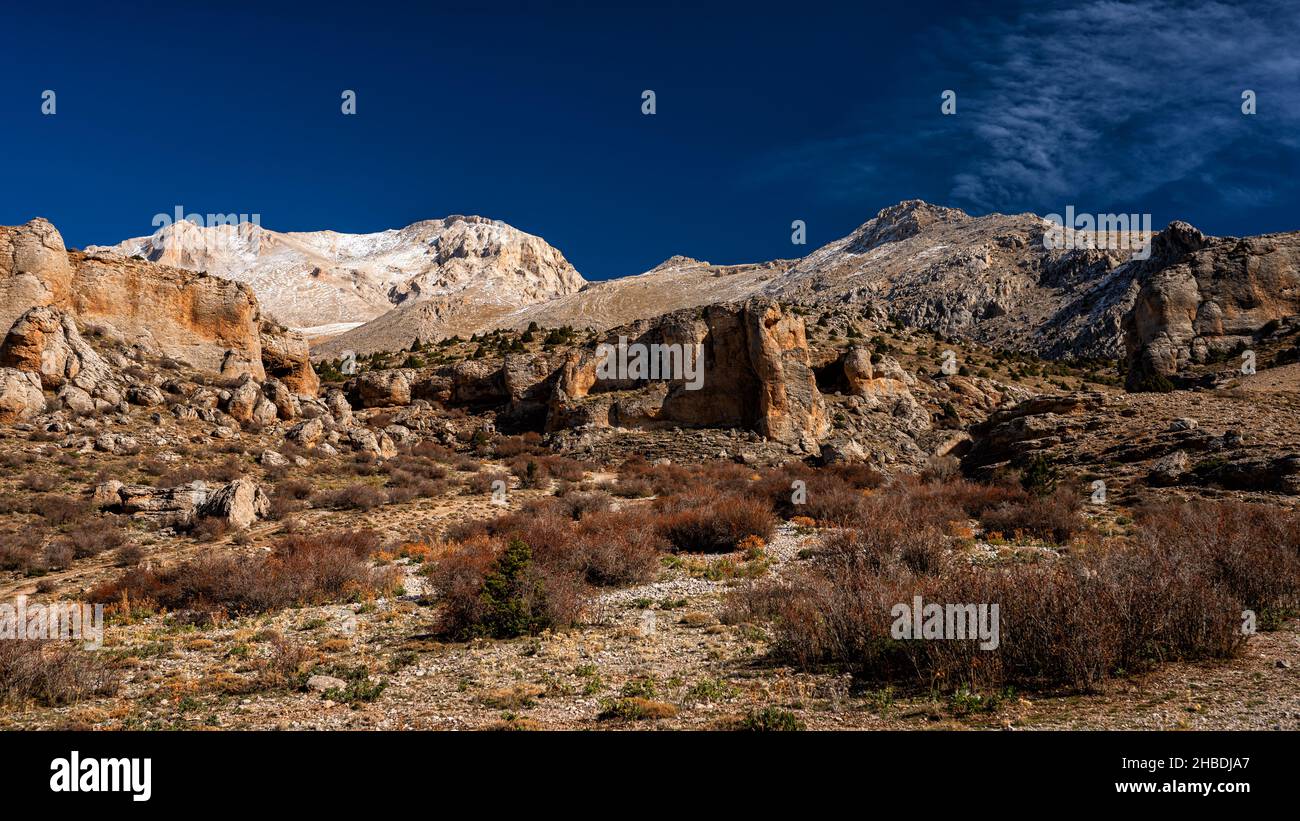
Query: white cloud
(1122, 97)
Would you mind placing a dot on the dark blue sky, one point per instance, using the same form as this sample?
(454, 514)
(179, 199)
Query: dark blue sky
(531, 114)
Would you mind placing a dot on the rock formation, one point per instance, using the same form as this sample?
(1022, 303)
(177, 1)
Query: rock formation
(34, 269)
(208, 323)
(756, 375)
(1206, 298)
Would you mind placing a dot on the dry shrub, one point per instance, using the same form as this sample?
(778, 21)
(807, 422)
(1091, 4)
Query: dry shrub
(288, 665)
(858, 475)
(183, 475)
(209, 529)
(530, 471)
(1176, 592)
(603, 548)
(829, 500)
(1254, 550)
(51, 674)
(466, 464)
(93, 538)
(713, 524)
(21, 550)
(434, 451)
(128, 555)
(1052, 518)
(482, 481)
(39, 482)
(634, 488)
(58, 554)
(60, 510)
(664, 480)
(356, 496)
(288, 497)
(363, 464)
(230, 469)
(299, 570)
(578, 504)
(616, 549)
(402, 494)
(407, 469)
(294, 488)
(506, 447)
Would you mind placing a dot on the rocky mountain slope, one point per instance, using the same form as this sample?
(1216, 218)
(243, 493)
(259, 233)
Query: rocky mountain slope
(314, 280)
(987, 278)
(984, 278)
(676, 283)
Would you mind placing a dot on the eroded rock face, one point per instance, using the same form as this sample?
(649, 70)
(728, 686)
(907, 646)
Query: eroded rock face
(34, 270)
(756, 374)
(285, 357)
(195, 318)
(1207, 297)
(45, 341)
(147, 502)
(205, 322)
(1032, 425)
(20, 395)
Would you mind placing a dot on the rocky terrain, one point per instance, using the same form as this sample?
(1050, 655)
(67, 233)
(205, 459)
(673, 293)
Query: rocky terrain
(492, 530)
(324, 280)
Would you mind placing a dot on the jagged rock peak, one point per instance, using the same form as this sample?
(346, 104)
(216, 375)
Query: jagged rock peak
(897, 222)
(677, 261)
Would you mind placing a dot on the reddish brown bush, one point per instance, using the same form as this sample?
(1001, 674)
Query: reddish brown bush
(299, 570)
(481, 482)
(93, 538)
(713, 524)
(51, 674)
(21, 550)
(59, 510)
(1052, 518)
(58, 553)
(355, 496)
(39, 482)
(1176, 592)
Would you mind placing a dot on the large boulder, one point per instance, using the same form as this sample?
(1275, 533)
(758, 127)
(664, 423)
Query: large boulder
(20, 395)
(755, 374)
(1204, 298)
(381, 389)
(177, 504)
(287, 406)
(45, 341)
(339, 409)
(244, 400)
(285, 357)
(307, 434)
(34, 270)
(474, 381)
(241, 503)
